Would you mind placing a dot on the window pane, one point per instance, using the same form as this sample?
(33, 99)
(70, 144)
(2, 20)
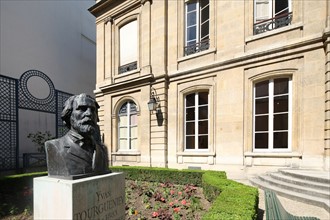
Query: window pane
(261, 141)
(203, 127)
(205, 14)
(123, 121)
(281, 104)
(190, 142)
(132, 107)
(261, 106)
(123, 144)
(281, 140)
(191, 33)
(205, 30)
(202, 112)
(190, 128)
(133, 143)
(190, 114)
(281, 86)
(191, 19)
(203, 142)
(123, 109)
(190, 100)
(134, 132)
(123, 132)
(133, 120)
(204, 3)
(203, 98)
(281, 122)
(261, 123)
(262, 89)
(191, 6)
(280, 5)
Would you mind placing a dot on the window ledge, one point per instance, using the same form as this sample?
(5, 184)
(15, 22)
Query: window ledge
(127, 153)
(274, 32)
(192, 56)
(121, 75)
(273, 154)
(196, 153)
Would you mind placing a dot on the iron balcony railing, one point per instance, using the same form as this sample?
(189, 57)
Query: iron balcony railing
(272, 23)
(127, 67)
(195, 48)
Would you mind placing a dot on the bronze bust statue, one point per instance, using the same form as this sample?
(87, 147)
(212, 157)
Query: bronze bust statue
(80, 153)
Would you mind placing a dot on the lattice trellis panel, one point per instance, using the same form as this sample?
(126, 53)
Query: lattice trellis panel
(61, 98)
(8, 123)
(28, 101)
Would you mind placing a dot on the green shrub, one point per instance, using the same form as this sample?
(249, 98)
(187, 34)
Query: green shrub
(162, 175)
(234, 200)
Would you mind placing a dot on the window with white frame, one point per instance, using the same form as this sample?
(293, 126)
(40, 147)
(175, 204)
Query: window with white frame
(271, 14)
(197, 22)
(197, 121)
(127, 126)
(272, 126)
(128, 52)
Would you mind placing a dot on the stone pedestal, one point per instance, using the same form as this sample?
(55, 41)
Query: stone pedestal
(97, 197)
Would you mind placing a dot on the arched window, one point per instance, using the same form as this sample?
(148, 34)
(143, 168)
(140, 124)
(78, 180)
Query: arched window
(127, 126)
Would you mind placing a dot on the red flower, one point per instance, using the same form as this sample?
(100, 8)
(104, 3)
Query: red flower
(172, 192)
(171, 203)
(184, 202)
(179, 193)
(176, 209)
(155, 214)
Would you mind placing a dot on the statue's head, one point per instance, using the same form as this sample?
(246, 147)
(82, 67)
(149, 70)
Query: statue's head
(80, 114)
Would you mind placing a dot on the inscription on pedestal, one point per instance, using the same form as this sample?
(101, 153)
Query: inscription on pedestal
(106, 207)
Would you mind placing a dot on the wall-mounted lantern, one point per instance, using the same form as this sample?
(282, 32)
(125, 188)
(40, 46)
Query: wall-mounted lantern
(153, 103)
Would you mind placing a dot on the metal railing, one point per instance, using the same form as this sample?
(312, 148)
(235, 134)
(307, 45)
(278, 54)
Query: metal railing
(195, 48)
(127, 67)
(272, 23)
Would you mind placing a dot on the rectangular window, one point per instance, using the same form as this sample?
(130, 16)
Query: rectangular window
(272, 115)
(271, 14)
(197, 121)
(197, 17)
(128, 52)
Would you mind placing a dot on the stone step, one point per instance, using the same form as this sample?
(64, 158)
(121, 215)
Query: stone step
(294, 187)
(300, 182)
(309, 175)
(290, 194)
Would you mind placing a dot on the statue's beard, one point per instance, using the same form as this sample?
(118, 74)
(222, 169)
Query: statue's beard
(84, 127)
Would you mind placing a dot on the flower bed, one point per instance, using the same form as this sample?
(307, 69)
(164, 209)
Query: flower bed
(146, 200)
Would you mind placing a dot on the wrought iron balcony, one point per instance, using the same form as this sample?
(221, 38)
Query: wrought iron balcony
(272, 23)
(127, 67)
(195, 48)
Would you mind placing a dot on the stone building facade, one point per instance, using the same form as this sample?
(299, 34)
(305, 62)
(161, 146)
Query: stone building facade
(235, 82)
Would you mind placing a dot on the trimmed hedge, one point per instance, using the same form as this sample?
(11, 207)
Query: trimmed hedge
(162, 175)
(235, 201)
(231, 200)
